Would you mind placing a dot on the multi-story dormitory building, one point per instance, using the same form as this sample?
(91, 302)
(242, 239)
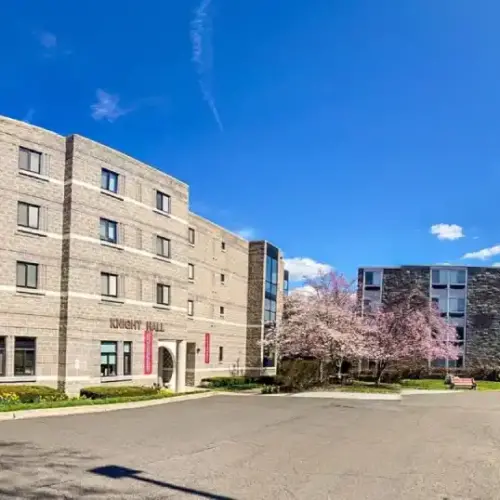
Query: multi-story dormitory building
(107, 277)
(468, 297)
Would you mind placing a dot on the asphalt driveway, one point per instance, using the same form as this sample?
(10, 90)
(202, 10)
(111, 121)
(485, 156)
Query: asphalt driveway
(245, 447)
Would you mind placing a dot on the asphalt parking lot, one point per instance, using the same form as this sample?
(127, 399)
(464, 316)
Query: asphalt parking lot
(255, 447)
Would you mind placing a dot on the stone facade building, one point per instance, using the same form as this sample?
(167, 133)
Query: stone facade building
(108, 277)
(468, 297)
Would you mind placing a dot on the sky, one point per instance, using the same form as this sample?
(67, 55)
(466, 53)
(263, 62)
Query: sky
(348, 133)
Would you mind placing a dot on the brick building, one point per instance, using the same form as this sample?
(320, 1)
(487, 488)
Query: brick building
(468, 297)
(106, 276)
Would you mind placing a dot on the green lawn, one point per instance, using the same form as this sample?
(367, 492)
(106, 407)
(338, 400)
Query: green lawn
(438, 384)
(237, 388)
(88, 402)
(365, 387)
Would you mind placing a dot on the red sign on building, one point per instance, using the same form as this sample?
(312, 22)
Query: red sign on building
(207, 348)
(148, 352)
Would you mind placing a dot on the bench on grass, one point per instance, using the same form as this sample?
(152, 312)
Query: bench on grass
(462, 383)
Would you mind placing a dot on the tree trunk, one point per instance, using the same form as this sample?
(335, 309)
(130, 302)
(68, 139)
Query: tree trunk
(339, 370)
(380, 370)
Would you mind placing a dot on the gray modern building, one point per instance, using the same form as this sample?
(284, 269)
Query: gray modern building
(468, 298)
(106, 275)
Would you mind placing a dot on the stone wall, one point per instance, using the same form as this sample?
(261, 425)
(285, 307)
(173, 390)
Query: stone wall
(482, 346)
(398, 282)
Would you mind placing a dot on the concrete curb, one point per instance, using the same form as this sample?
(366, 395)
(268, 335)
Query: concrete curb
(349, 395)
(426, 392)
(80, 410)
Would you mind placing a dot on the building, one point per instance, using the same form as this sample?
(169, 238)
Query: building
(468, 297)
(106, 276)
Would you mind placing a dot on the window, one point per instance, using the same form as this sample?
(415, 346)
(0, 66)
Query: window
(221, 354)
(286, 279)
(223, 279)
(27, 275)
(30, 160)
(457, 305)
(221, 311)
(190, 308)
(191, 236)
(109, 180)
(127, 358)
(28, 215)
(223, 246)
(24, 356)
(109, 285)
(109, 231)
(191, 271)
(162, 294)
(457, 277)
(108, 359)
(269, 310)
(460, 333)
(2, 356)
(367, 305)
(372, 278)
(163, 246)
(439, 277)
(162, 202)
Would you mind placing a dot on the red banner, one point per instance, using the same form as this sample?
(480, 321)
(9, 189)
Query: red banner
(207, 348)
(148, 352)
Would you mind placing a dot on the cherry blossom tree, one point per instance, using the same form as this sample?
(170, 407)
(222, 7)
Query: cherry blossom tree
(321, 323)
(409, 330)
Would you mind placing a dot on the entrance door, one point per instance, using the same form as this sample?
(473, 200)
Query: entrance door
(166, 367)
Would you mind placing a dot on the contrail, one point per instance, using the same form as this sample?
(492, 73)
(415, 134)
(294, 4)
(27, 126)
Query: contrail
(201, 41)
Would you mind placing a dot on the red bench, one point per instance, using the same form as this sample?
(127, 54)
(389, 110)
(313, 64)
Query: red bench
(462, 383)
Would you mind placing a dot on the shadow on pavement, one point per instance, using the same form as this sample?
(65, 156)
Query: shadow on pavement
(118, 472)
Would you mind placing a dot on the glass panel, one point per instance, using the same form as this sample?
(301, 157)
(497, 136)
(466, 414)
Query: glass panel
(32, 275)
(23, 159)
(104, 179)
(35, 162)
(273, 305)
(33, 216)
(108, 347)
(158, 200)
(460, 278)
(112, 231)
(21, 274)
(159, 246)
(24, 343)
(443, 277)
(190, 271)
(460, 332)
(274, 289)
(104, 284)
(113, 182)
(22, 214)
(127, 347)
(369, 278)
(103, 229)
(113, 285)
(190, 307)
(435, 276)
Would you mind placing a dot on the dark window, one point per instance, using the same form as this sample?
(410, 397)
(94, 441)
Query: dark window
(109, 285)
(108, 359)
(223, 245)
(28, 215)
(372, 278)
(285, 282)
(24, 356)
(127, 358)
(457, 277)
(191, 236)
(222, 278)
(221, 354)
(109, 180)
(27, 275)
(163, 246)
(221, 310)
(109, 231)
(162, 202)
(440, 276)
(191, 271)
(30, 160)
(190, 308)
(460, 332)
(2, 356)
(162, 294)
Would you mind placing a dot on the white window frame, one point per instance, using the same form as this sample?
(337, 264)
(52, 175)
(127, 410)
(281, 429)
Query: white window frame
(161, 242)
(24, 268)
(30, 154)
(106, 176)
(32, 215)
(162, 294)
(163, 202)
(105, 226)
(374, 273)
(109, 283)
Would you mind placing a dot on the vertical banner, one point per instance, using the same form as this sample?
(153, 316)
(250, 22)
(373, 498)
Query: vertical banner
(207, 348)
(148, 352)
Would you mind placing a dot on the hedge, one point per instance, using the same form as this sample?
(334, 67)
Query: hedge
(238, 381)
(30, 393)
(117, 391)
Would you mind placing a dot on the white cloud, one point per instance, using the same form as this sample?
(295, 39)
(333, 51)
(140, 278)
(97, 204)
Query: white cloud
(202, 55)
(107, 107)
(447, 231)
(247, 232)
(47, 39)
(485, 253)
(496, 264)
(303, 268)
(442, 264)
(303, 290)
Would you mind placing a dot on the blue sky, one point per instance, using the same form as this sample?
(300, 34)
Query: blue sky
(342, 131)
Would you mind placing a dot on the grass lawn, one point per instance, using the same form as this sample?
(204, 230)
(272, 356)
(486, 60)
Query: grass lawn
(365, 387)
(88, 402)
(438, 384)
(486, 385)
